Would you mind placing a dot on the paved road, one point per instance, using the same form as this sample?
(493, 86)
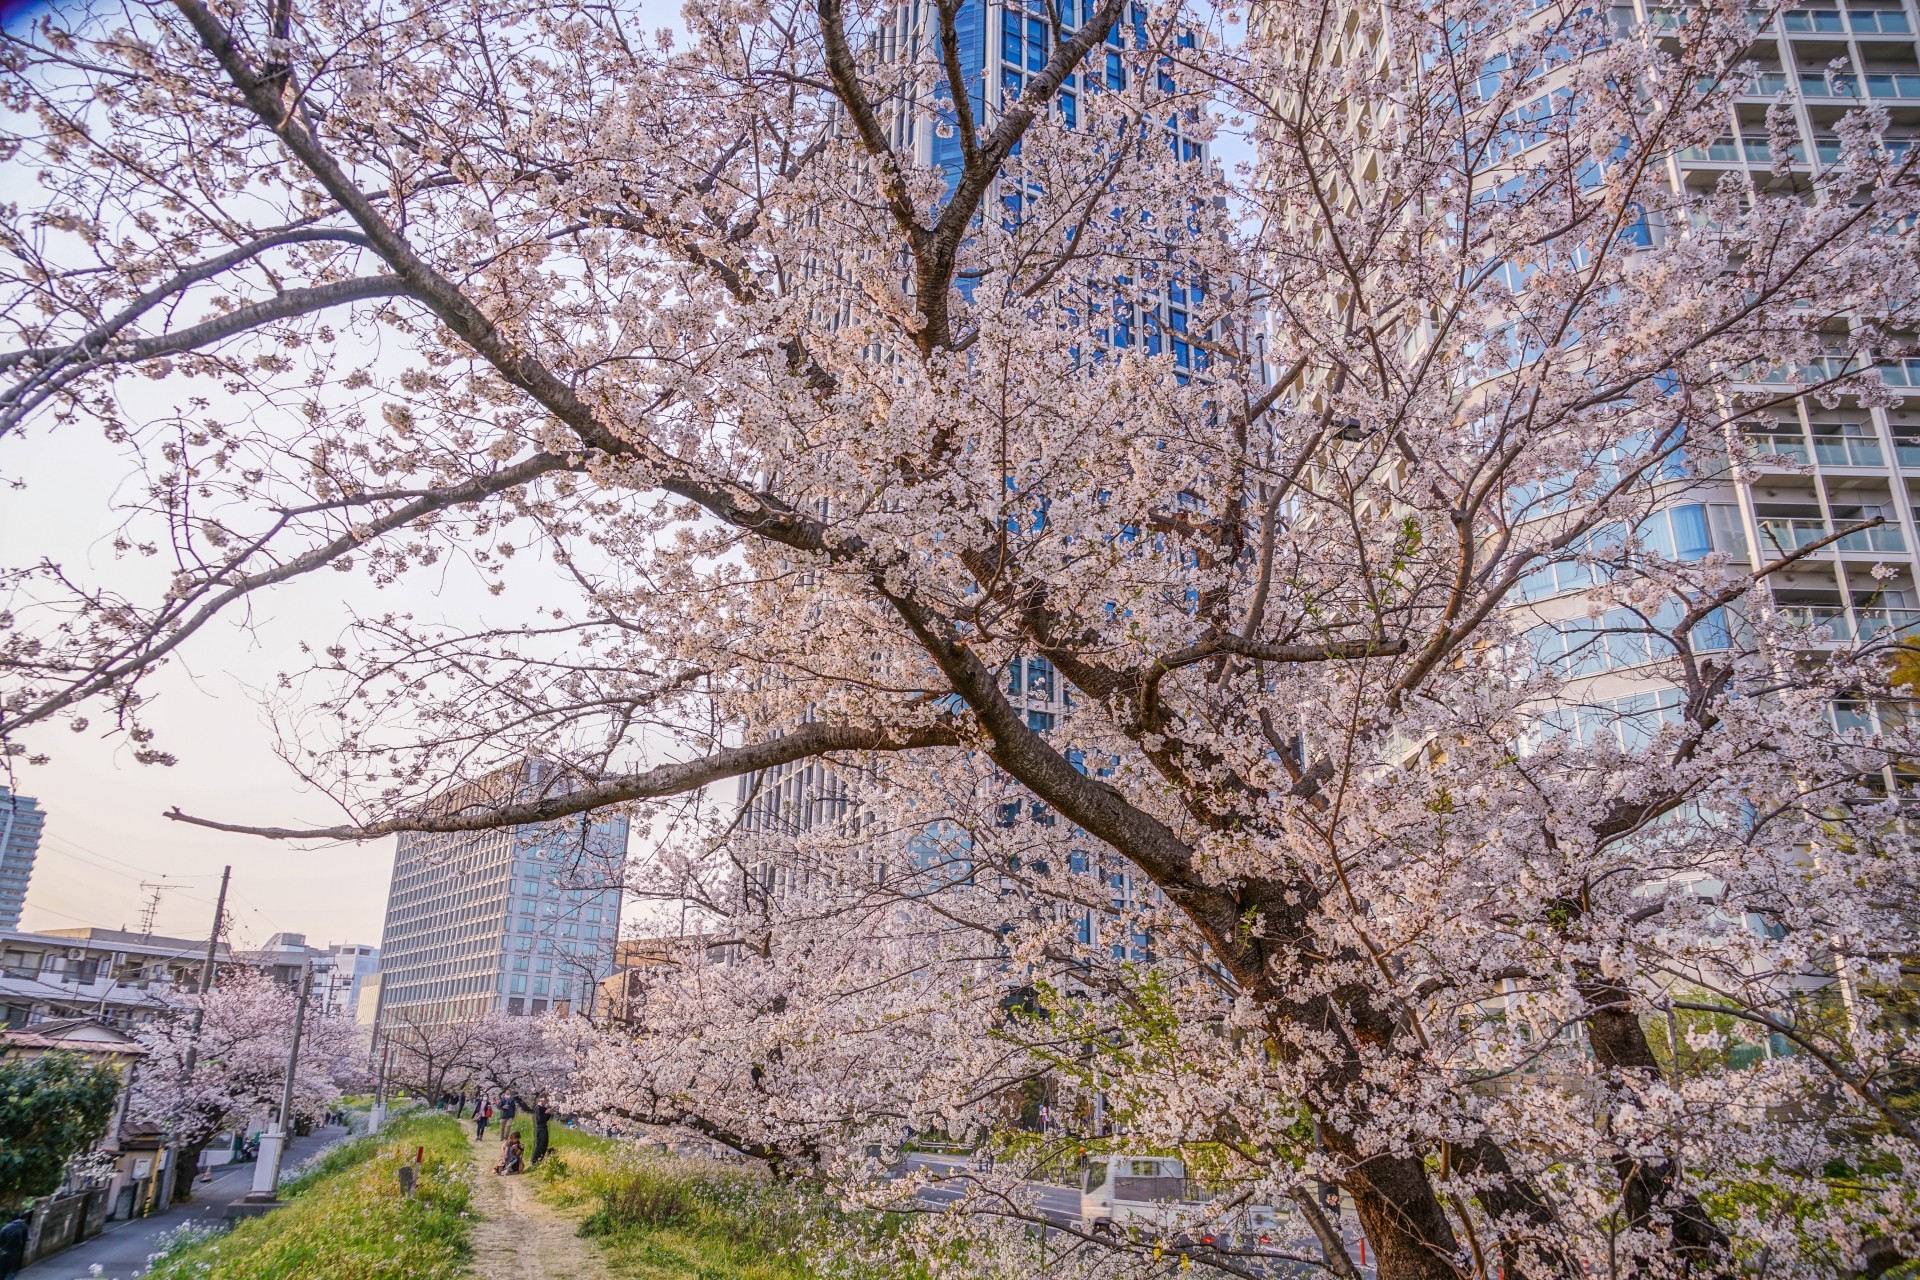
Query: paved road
(122, 1250)
(1061, 1207)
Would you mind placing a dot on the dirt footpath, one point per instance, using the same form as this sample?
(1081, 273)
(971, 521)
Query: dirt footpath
(519, 1238)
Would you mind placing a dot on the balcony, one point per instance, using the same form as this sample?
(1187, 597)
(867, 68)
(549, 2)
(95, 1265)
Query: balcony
(1879, 22)
(1881, 85)
(1828, 149)
(1899, 373)
(1791, 446)
(1771, 84)
(1810, 617)
(1882, 621)
(1829, 22)
(1866, 623)
(1760, 151)
(1820, 369)
(1721, 151)
(1814, 22)
(1844, 449)
(1783, 535)
(1895, 373)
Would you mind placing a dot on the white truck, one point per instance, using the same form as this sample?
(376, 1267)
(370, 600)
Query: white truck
(1118, 1192)
(1152, 1195)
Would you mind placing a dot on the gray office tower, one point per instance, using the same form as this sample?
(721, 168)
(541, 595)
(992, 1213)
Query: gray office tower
(20, 823)
(519, 920)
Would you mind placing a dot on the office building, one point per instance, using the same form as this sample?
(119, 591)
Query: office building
(366, 1002)
(999, 47)
(514, 920)
(20, 822)
(349, 966)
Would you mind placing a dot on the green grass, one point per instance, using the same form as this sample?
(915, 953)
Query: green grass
(346, 1220)
(661, 1217)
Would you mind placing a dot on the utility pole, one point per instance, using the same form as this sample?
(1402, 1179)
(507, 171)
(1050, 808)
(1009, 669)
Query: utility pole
(273, 1143)
(206, 972)
(377, 1115)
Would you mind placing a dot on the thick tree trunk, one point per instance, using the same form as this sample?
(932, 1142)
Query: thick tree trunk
(1512, 1199)
(1646, 1186)
(1407, 1229)
(186, 1171)
(1405, 1224)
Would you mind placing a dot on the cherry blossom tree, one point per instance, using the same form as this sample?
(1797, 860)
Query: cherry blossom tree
(492, 1054)
(528, 1056)
(239, 1062)
(428, 1057)
(829, 383)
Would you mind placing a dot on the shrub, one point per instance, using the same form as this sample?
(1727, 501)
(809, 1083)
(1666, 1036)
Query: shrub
(641, 1201)
(52, 1107)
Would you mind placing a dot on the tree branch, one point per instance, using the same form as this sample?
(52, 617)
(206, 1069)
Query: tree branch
(663, 780)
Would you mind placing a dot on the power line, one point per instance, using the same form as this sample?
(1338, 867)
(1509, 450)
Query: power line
(119, 862)
(128, 874)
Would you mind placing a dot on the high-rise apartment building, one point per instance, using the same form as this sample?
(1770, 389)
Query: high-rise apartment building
(1818, 463)
(1823, 462)
(516, 920)
(21, 819)
(1845, 461)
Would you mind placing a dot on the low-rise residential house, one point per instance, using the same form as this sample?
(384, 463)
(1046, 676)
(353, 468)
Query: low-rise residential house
(339, 971)
(114, 976)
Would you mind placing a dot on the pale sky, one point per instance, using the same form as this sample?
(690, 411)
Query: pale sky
(105, 832)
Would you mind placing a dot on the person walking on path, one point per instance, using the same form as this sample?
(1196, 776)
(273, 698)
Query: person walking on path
(509, 1107)
(482, 1112)
(13, 1245)
(540, 1118)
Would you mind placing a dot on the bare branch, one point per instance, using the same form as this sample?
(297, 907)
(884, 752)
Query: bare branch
(802, 743)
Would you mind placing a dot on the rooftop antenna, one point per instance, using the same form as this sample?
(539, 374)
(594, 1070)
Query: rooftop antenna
(152, 908)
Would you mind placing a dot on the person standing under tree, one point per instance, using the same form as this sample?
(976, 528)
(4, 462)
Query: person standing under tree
(482, 1112)
(541, 1115)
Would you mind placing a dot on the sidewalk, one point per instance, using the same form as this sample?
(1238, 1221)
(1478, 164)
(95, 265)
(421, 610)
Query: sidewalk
(122, 1250)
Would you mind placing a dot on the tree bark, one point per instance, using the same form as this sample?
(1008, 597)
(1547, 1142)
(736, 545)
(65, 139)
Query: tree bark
(1512, 1198)
(1647, 1186)
(187, 1169)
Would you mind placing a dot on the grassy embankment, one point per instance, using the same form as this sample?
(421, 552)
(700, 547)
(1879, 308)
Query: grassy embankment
(660, 1217)
(346, 1220)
